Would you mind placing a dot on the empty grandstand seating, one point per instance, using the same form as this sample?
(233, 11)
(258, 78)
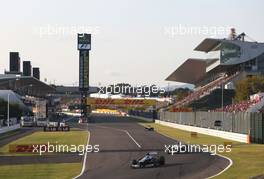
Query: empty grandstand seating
(205, 90)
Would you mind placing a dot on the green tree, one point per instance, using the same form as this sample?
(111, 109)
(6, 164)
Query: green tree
(248, 86)
(180, 93)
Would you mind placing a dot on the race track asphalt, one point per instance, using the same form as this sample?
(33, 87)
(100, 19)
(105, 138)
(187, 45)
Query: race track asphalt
(121, 140)
(23, 132)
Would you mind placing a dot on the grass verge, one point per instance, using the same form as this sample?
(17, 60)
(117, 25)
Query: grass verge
(39, 171)
(73, 137)
(248, 159)
(47, 171)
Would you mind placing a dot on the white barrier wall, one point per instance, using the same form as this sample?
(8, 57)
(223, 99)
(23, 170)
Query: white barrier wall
(72, 114)
(141, 118)
(212, 132)
(10, 128)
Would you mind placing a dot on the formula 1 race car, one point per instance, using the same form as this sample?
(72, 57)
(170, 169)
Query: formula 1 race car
(149, 128)
(58, 126)
(151, 159)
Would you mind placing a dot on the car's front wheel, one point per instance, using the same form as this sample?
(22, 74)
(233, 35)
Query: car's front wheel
(161, 160)
(134, 162)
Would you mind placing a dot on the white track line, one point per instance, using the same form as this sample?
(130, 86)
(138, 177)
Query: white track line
(230, 164)
(230, 160)
(133, 139)
(84, 159)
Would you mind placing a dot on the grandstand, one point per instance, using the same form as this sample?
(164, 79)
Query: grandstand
(238, 107)
(227, 61)
(24, 85)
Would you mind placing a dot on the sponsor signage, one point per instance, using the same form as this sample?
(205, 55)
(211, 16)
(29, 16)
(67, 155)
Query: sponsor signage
(120, 102)
(24, 148)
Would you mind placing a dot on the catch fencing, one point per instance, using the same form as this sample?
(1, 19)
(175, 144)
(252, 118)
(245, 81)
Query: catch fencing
(239, 122)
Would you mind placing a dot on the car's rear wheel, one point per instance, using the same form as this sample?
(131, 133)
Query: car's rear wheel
(155, 164)
(141, 165)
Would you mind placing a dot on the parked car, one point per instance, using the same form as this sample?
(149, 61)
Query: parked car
(27, 121)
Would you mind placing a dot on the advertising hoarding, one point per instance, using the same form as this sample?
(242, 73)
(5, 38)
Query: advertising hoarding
(120, 102)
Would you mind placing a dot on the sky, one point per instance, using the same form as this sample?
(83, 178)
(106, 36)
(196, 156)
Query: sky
(133, 41)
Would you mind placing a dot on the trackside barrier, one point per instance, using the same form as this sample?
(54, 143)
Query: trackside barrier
(72, 114)
(142, 118)
(256, 129)
(230, 122)
(217, 133)
(150, 115)
(10, 128)
(251, 124)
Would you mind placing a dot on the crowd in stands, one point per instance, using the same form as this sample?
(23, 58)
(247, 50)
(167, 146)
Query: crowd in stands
(242, 106)
(205, 90)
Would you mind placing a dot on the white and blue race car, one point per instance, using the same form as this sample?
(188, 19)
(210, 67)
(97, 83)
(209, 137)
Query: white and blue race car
(151, 159)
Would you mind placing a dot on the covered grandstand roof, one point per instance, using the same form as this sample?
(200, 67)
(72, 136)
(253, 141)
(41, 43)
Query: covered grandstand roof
(191, 71)
(230, 52)
(25, 84)
(73, 89)
(13, 97)
(208, 44)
